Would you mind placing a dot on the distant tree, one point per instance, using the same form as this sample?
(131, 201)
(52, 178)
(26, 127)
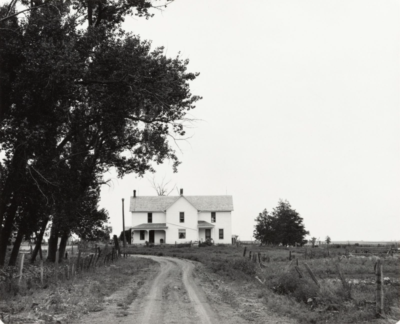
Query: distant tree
(265, 228)
(284, 225)
(328, 240)
(313, 241)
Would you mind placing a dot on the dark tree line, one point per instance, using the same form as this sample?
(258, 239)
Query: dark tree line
(78, 96)
(283, 226)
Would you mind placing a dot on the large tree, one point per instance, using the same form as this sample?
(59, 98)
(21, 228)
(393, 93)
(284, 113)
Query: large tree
(283, 226)
(80, 96)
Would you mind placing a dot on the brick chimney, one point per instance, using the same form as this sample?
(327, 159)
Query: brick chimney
(134, 193)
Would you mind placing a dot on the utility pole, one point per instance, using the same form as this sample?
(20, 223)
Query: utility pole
(123, 222)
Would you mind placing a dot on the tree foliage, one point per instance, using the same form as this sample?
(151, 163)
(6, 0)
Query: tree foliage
(283, 226)
(78, 96)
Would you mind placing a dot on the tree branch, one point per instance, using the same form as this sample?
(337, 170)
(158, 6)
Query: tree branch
(20, 12)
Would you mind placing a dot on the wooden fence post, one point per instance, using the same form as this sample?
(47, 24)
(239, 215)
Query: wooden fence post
(56, 266)
(244, 251)
(249, 255)
(311, 274)
(290, 255)
(299, 272)
(41, 272)
(90, 261)
(345, 284)
(78, 260)
(94, 259)
(379, 289)
(382, 291)
(116, 245)
(21, 267)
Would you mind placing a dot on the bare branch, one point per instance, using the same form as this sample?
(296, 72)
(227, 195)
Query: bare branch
(20, 12)
(161, 187)
(38, 186)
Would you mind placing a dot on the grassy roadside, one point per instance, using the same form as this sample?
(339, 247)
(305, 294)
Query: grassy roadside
(66, 301)
(285, 293)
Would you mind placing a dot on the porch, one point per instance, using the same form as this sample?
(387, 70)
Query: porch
(205, 231)
(152, 233)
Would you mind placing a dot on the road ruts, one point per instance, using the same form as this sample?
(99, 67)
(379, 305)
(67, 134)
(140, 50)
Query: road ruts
(173, 297)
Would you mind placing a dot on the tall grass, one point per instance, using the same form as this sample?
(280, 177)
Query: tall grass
(287, 294)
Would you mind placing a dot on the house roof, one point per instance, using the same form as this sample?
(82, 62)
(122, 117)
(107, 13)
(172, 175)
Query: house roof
(162, 203)
(204, 224)
(150, 226)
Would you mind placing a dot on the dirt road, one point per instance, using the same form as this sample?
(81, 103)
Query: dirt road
(173, 297)
(168, 294)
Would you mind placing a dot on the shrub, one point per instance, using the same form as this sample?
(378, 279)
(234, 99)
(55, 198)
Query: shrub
(288, 283)
(244, 265)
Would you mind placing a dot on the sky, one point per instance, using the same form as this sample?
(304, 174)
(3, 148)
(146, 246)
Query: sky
(300, 102)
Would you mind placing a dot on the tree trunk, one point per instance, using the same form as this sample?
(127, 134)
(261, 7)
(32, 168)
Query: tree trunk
(39, 239)
(63, 245)
(15, 250)
(52, 247)
(16, 169)
(6, 231)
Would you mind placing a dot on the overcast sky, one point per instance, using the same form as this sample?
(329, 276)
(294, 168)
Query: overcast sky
(301, 102)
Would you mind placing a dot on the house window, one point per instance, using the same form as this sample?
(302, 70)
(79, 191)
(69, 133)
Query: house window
(221, 233)
(149, 217)
(142, 233)
(213, 217)
(181, 217)
(182, 233)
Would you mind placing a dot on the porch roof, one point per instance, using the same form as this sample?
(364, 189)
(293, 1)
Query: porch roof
(204, 224)
(150, 226)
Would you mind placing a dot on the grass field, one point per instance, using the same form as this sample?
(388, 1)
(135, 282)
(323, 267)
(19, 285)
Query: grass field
(67, 300)
(349, 298)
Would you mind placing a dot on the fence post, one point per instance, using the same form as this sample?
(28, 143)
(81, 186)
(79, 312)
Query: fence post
(78, 260)
(298, 271)
(382, 291)
(249, 255)
(311, 274)
(345, 284)
(244, 251)
(290, 255)
(116, 245)
(41, 272)
(56, 266)
(379, 290)
(90, 261)
(21, 268)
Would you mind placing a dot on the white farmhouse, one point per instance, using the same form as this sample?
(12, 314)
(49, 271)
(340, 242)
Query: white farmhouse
(180, 219)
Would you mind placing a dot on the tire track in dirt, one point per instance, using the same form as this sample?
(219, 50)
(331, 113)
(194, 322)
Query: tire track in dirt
(187, 303)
